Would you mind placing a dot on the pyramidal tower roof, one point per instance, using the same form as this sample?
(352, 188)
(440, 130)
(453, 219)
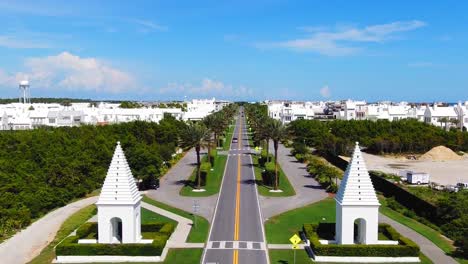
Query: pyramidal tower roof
(119, 186)
(356, 187)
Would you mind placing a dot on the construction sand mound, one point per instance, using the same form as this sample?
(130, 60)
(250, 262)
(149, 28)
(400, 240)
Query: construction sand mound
(440, 153)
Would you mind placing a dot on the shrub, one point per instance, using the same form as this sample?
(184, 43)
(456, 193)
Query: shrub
(213, 155)
(263, 158)
(300, 157)
(269, 174)
(405, 248)
(159, 232)
(87, 229)
(205, 168)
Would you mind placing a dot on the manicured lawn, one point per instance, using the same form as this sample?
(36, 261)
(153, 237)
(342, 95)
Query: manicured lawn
(72, 223)
(286, 256)
(229, 133)
(213, 180)
(148, 216)
(198, 233)
(281, 227)
(422, 229)
(183, 256)
(264, 190)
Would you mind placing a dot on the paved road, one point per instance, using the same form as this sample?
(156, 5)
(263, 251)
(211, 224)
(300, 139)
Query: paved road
(308, 190)
(237, 234)
(27, 244)
(173, 181)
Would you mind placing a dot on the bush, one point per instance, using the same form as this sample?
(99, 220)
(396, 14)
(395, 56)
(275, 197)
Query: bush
(263, 158)
(213, 155)
(205, 168)
(87, 229)
(300, 157)
(404, 249)
(269, 174)
(159, 232)
(299, 148)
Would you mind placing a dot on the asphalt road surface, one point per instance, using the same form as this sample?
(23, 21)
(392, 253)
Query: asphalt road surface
(237, 234)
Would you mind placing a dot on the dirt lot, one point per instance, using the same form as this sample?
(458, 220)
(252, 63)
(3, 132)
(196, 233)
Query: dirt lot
(442, 172)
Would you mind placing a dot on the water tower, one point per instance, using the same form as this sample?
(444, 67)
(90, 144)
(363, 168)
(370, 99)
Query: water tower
(24, 92)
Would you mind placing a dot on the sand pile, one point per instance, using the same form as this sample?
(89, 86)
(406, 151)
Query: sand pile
(440, 153)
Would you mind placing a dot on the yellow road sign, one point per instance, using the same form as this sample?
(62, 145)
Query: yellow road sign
(295, 239)
(295, 246)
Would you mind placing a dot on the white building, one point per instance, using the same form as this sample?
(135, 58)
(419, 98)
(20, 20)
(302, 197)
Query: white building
(440, 116)
(356, 202)
(462, 115)
(286, 111)
(119, 212)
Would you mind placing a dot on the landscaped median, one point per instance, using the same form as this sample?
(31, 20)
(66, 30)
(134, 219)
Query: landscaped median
(265, 176)
(210, 179)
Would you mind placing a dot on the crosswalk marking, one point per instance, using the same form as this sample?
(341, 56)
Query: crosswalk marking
(239, 154)
(240, 245)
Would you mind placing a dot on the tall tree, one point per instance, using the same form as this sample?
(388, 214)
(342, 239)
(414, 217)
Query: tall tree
(195, 135)
(278, 132)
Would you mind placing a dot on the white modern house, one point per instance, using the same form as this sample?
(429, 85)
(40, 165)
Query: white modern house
(356, 202)
(119, 211)
(288, 111)
(440, 116)
(462, 115)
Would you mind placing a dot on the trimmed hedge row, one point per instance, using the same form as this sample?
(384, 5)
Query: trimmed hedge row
(213, 155)
(70, 247)
(159, 232)
(268, 175)
(87, 229)
(264, 157)
(405, 248)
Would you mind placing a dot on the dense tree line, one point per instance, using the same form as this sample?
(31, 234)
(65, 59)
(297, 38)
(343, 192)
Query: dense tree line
(46, 100)
(46, 168)
(404, 136)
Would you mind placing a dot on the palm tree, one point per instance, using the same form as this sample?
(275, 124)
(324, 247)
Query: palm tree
(277, 132)
(210, 122)
(195, 135)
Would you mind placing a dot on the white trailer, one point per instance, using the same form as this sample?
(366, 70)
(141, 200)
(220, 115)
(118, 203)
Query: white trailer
(417, 177)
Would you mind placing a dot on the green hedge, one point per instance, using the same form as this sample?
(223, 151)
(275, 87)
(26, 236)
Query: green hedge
(70, 247)
(87, 229)
(405, 247)
(205, 168)
(268, 175)
(213, 155)
(263, 157)
(159, 232)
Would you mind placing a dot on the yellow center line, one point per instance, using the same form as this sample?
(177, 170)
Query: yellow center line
(235, 256)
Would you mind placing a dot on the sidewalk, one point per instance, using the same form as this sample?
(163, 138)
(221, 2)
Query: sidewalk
(427, 247)
(307, 189)
(180, 234)
(28, 243)
(173, 181)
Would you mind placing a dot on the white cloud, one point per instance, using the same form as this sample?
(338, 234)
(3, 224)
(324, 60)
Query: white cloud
(66, 71)
(207, 87)
(340, 42)
(149, 26)
(325, 91)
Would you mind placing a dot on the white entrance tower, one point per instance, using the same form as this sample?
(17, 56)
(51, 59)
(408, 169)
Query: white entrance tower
(356, 202)
(119, 204)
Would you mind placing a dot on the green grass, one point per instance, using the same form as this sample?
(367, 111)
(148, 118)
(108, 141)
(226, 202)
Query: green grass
(183, 256)
(213, 180)
(229, 134)
(281, 227)
(264, 190)
(72, 223)
(286, 256)
(422, 229)
(198, 233)
(148, 216)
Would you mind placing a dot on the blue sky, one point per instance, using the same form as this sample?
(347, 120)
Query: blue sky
(240, 50)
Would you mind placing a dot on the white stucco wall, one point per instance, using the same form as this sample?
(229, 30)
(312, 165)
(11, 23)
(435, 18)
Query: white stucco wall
(345, 217)
(131, 223)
